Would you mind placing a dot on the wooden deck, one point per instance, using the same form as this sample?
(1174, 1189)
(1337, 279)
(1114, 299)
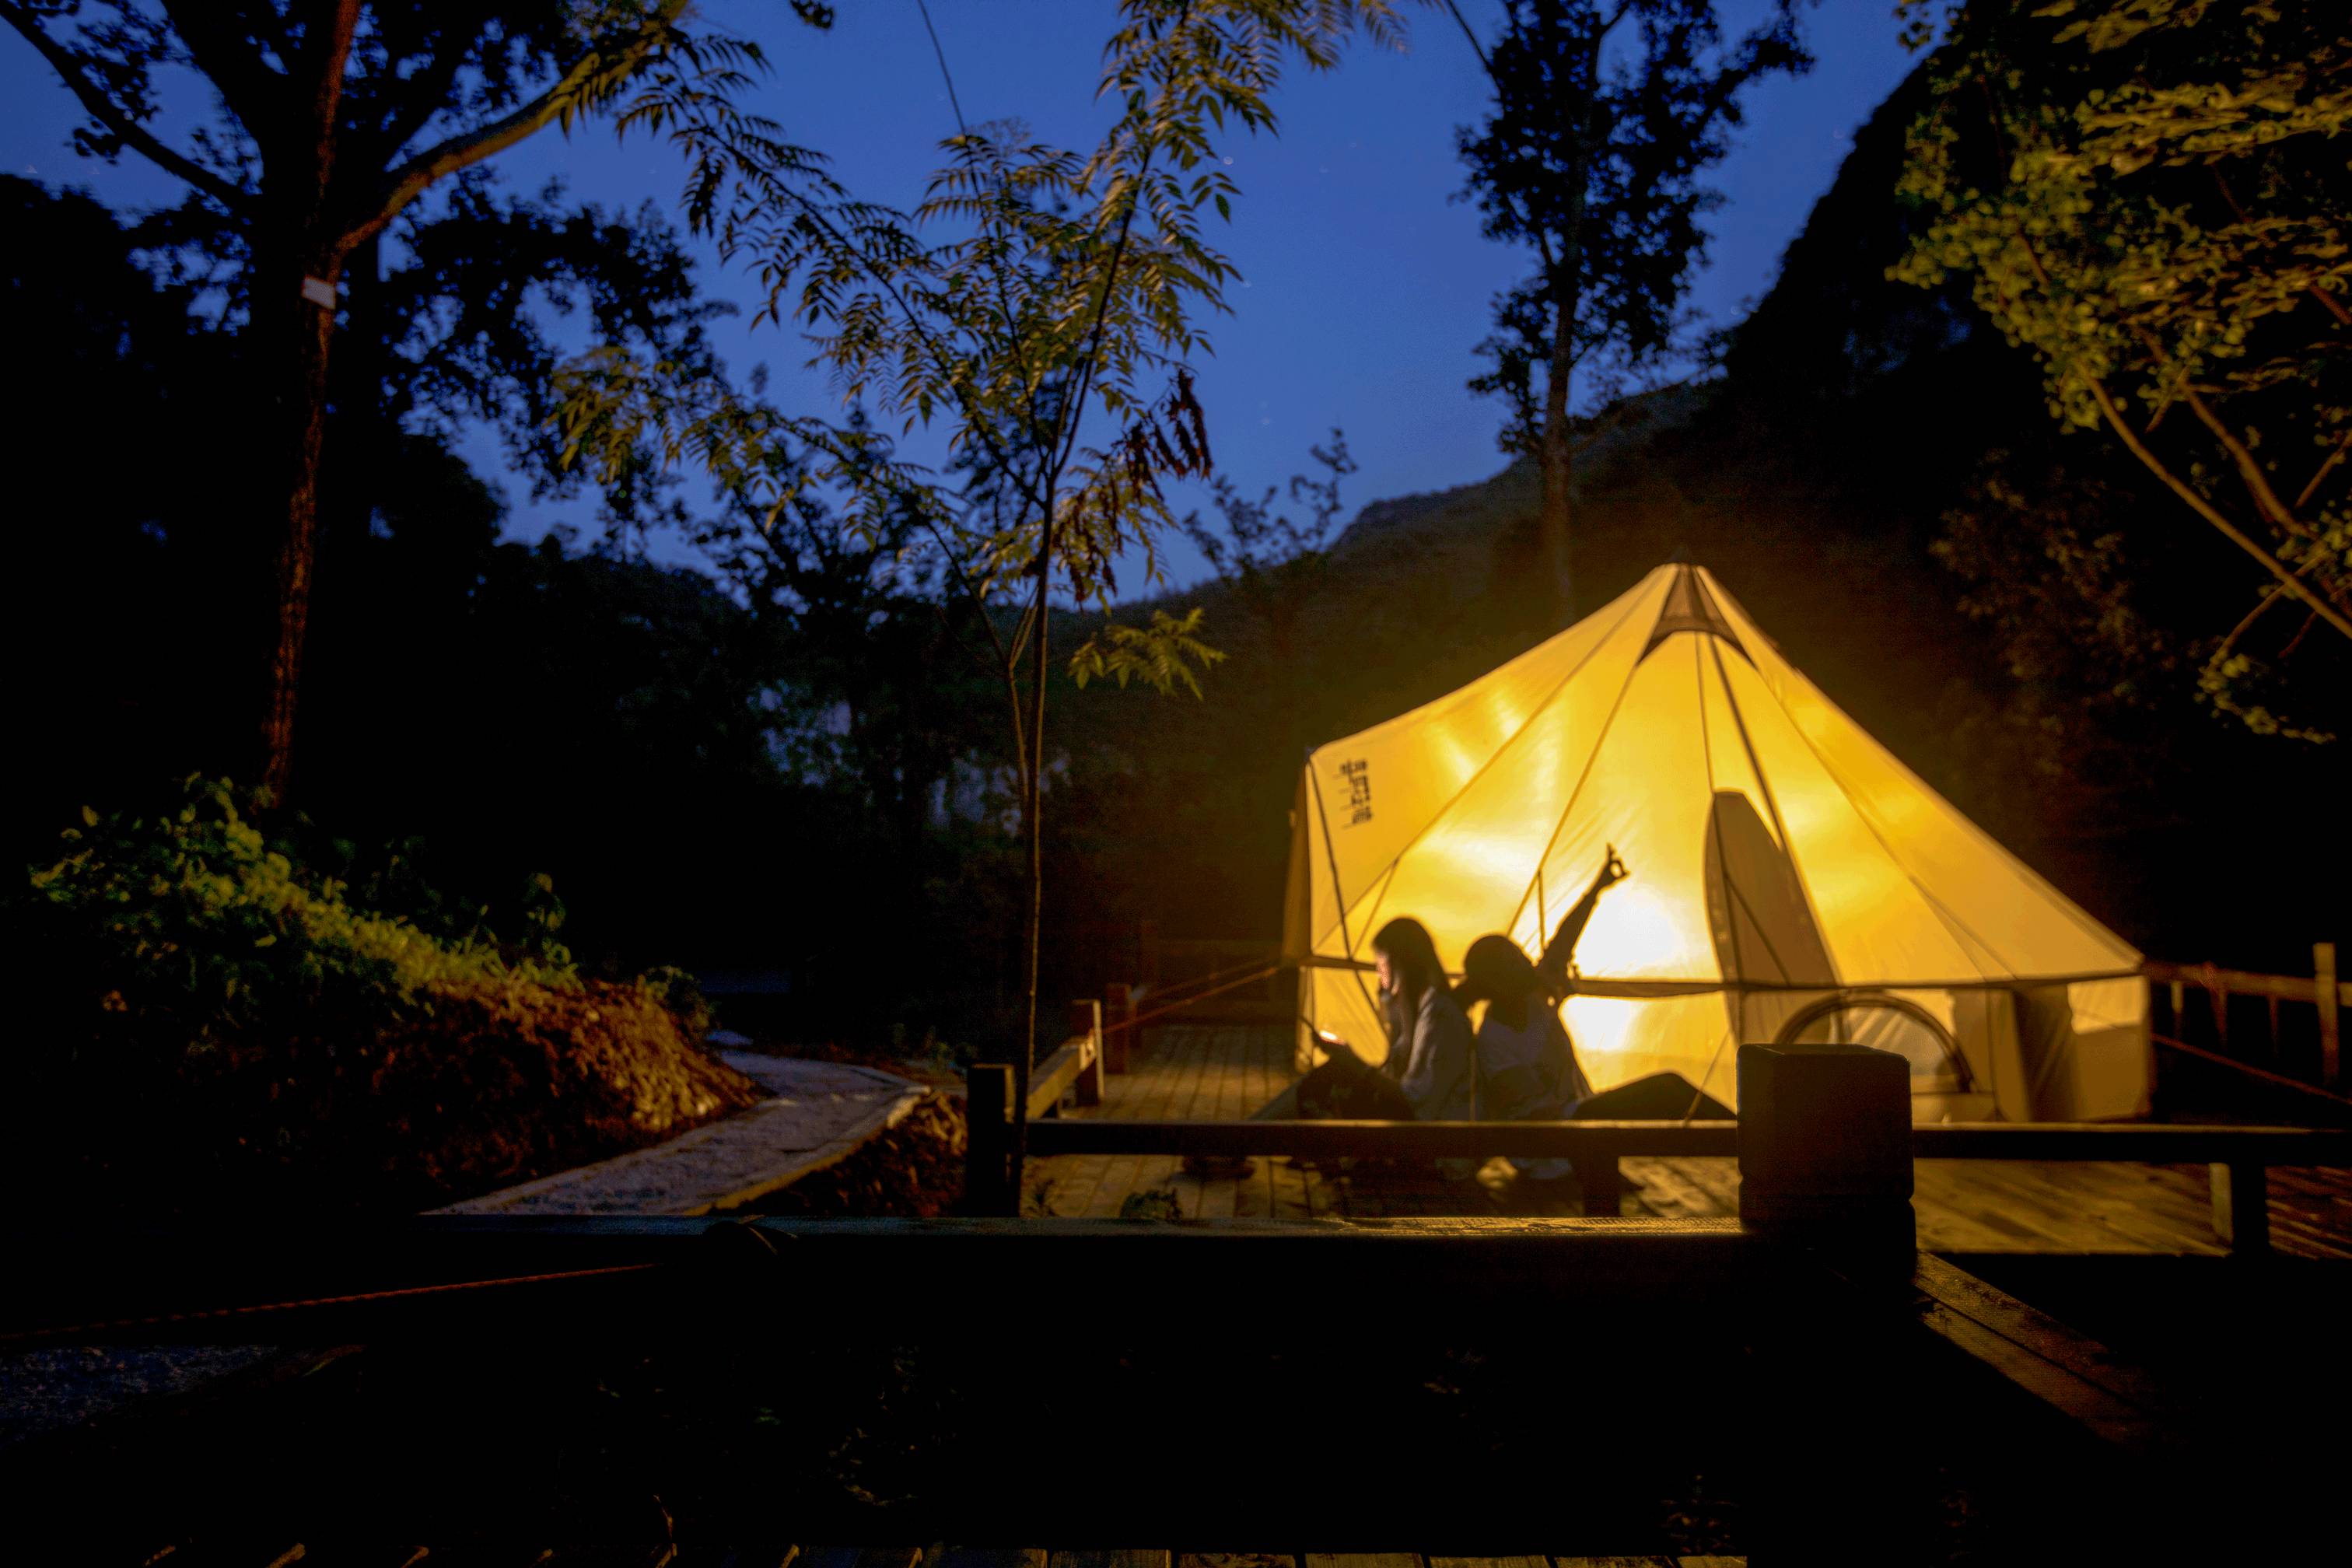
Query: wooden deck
(1225, 1072)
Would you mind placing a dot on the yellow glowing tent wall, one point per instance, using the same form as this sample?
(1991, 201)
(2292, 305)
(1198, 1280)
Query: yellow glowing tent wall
(1779, 856)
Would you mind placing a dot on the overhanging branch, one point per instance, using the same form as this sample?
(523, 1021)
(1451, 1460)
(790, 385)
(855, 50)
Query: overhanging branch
(2210, 512)
(605, 62)
(107, 113)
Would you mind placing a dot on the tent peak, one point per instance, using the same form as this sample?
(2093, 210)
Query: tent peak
(1691, 607)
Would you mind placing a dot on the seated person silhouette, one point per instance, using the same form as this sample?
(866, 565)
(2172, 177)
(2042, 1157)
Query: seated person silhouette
(1527, 1064)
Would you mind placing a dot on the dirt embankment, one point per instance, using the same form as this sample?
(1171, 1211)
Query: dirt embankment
(915, 1169)
(487, 1089)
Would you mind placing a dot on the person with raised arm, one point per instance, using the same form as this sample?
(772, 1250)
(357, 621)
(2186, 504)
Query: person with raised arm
(1527, 1068)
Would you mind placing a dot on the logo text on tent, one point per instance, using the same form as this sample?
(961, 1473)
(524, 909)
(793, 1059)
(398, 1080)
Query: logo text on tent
(1358, 775)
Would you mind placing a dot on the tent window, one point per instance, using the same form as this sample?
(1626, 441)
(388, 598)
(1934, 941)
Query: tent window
(1889, 1022)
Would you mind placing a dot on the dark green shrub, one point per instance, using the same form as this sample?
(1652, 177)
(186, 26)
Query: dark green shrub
(212, 1014)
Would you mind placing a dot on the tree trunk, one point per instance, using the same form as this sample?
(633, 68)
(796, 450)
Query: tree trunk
(293, 309)
(300, 403)
(1024, 1063)
(1556, 454)
(1554, 450)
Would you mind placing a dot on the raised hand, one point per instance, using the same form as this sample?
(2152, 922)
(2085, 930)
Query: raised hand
(1612, 869)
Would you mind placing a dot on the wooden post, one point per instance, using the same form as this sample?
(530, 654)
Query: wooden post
(1086, 1024)
(1147, 941)
(2331, 1018)
(2241, 1206)
(2180, 1008)
(1119, 1033)
(1825, 1149)
(1826, 1166)
(988, 1143)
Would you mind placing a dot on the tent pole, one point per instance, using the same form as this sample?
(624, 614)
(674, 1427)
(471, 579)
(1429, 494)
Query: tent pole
(1731, 898)
(1339, 899)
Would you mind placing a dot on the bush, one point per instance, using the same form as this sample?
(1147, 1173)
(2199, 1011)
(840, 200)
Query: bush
(212, 1012)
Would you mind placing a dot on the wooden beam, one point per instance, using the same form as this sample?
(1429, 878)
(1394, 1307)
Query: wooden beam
(2141, 1142)
(2076, 1376)
(2288, 987)
(2148, 1142)
(1057, 1074)
(465, 1276)
(1397, 1140)
(2333, 997)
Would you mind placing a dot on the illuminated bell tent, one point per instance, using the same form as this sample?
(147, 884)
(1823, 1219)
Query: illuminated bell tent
(1788, 878)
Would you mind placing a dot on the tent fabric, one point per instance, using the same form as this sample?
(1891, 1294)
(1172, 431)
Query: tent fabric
(1786, 871)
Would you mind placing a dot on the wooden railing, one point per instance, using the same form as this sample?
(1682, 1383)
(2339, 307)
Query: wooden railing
(2324, 989)
(1176, 971)
(1231, 979)
(1074, 1069)
(2237, 1159)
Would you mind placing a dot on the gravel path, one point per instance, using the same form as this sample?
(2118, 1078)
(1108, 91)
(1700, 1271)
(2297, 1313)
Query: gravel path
(50, 1390)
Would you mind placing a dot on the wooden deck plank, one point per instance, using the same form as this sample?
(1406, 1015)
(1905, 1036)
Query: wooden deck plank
(1075, 1179)
(858, 1557)
(1667, 1193)
(1220, 1197)
(984, 1557)
(1253, 1192)
(1193, 1099)
(1110, 1560)
(1716, 1176)
(1129, 1097)
(1185, 1052)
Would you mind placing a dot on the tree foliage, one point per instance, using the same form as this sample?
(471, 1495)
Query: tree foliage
(2149, 196)
(1038, 308)
(1608, 115)
(330, 119)
(221, 1020)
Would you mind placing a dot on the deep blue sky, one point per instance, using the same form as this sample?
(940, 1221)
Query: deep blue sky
(1364, 286)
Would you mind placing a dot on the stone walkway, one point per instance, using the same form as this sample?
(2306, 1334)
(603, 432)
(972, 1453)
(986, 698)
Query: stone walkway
(816, 1113)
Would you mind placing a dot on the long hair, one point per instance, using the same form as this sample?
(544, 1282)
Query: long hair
(1495, 971)
(1406, 942)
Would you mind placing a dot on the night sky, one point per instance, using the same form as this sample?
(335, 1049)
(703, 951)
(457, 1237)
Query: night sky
(1364, 287)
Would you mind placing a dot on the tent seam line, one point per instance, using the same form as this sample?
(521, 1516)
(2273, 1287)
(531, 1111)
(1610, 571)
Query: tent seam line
(1781, 823)
(1480, 771)
(1592, 760)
